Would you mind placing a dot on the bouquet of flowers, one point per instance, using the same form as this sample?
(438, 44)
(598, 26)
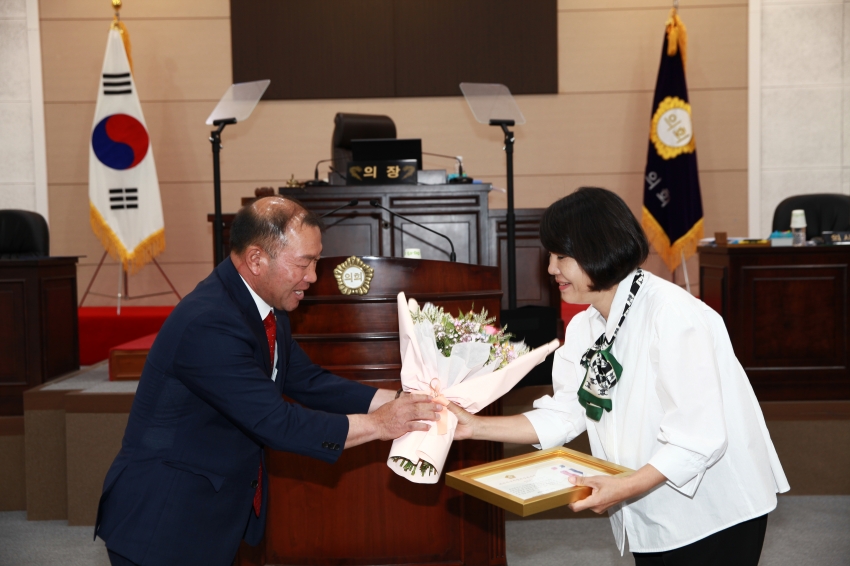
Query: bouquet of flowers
(461, 359)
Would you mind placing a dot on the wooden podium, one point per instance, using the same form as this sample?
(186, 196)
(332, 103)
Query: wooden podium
(358, 511)
(38, 333)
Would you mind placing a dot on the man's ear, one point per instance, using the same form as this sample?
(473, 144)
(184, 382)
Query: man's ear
(254, 259)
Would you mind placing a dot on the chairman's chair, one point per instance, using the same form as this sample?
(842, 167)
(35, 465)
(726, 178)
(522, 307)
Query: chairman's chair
(824, 212)
(23, 234)
(349, 127)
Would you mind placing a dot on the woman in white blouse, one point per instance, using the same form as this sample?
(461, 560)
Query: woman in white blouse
(649, 372)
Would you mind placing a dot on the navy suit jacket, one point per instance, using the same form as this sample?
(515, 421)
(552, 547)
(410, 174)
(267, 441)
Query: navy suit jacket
(181, 489)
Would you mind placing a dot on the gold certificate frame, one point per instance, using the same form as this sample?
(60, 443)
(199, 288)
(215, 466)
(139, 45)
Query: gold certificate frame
(531, 483)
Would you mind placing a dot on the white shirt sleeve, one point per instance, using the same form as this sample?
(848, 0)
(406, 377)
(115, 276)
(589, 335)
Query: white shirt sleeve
(559, 418)
(693, 429)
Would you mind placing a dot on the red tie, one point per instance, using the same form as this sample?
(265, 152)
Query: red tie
(271, 335)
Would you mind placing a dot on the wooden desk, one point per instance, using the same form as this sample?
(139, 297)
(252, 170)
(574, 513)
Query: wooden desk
(787, 314)
(458, 211)
(38, 325)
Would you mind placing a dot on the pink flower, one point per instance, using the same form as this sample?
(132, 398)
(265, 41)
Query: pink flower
(491, 330)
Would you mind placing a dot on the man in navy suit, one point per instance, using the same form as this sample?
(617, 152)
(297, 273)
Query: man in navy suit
(189, 482)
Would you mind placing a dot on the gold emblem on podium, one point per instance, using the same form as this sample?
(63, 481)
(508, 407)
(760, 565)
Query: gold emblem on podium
(353, 276)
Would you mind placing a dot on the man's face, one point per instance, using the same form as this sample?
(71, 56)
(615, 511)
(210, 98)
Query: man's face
(285, 277)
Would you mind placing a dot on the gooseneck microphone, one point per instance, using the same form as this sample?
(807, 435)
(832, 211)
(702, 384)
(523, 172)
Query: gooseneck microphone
(346, 205)
(457, 158)
(377, 204)
(315, 182)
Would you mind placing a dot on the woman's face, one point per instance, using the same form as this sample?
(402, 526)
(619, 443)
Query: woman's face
(573, 282)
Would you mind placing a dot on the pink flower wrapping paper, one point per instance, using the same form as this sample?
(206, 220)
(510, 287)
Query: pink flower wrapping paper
(464, 378)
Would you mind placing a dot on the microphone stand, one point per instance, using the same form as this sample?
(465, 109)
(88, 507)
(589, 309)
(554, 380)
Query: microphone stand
(215, 140)
(452, 256)
(511, 218)
(316, 182)
(352, 202)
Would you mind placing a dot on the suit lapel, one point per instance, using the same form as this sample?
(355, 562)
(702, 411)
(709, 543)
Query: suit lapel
(237, 289)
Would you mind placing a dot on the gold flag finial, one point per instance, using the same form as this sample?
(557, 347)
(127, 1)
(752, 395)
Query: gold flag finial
(117, 24)
(116, 19)
(677, 36)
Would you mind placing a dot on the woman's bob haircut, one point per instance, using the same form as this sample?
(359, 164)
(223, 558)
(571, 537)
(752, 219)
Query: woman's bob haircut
(596, 228)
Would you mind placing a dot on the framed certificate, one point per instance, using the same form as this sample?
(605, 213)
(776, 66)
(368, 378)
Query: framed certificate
(532, 483)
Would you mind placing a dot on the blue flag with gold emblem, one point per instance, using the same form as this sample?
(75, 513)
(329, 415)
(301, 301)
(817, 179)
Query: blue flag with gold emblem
(672, 206)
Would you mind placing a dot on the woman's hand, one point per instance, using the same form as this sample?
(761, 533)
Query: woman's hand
(465, 422)
(608, 491)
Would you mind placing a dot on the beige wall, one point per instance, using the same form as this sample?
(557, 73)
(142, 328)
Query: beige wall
(593, 132)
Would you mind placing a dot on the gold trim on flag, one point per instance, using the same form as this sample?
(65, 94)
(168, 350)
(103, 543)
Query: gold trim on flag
(671, 254)
(134, 260)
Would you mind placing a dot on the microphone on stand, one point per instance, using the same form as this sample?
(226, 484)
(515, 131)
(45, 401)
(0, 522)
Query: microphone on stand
(352, 202)
(457, 158)
(461, 178)
(315, 182)
(377, 204)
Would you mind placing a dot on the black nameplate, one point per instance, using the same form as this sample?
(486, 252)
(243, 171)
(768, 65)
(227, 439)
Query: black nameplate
(402, 172)
(836, 237)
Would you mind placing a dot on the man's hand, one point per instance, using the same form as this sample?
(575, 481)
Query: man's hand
(393, 419)
(401, 415)
(608, 491)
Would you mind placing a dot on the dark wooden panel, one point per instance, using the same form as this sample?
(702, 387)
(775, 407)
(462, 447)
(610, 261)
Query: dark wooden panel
(459, 211)
(786, 310)
(442, 43)
(782, 299)
(352, 233)
(38, 305)
(361, 352)
(534, 284)
(462, 229)
(383, 48)
(712, 286)
(358, 511)
(315, 49)
(13, 341)
(382, 499)
(59, 324)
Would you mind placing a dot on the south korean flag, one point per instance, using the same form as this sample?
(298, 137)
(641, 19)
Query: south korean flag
(125, 205)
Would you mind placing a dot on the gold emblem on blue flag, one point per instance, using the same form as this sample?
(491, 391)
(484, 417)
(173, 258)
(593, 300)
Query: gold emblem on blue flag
(672, 205)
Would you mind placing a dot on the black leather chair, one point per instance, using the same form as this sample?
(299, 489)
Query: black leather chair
(349, 127)
(824, 212)
(23, 234)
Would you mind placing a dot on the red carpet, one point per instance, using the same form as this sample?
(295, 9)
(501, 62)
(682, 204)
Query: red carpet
(101, 328)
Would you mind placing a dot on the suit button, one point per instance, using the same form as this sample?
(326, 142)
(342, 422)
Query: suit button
(336, 446)
(254, 484)
(325, 445)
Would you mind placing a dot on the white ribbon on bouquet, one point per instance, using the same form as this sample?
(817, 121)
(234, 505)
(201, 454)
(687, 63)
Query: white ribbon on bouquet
(464, 378)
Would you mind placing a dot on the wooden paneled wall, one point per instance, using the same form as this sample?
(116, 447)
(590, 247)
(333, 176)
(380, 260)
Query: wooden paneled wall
(595, 131)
